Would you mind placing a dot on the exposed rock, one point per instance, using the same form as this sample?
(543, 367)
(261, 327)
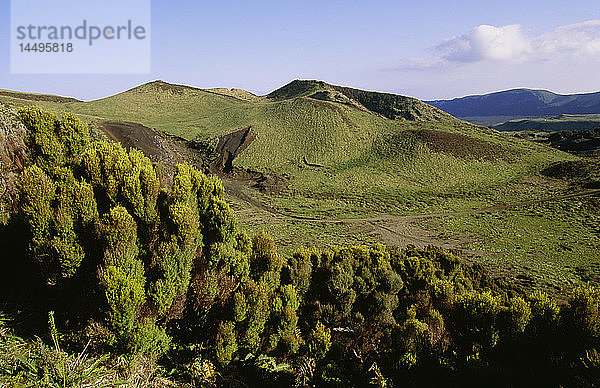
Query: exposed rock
(230, 146)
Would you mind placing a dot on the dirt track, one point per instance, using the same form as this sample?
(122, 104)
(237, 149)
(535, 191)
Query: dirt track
(393, 230)
(235, 188)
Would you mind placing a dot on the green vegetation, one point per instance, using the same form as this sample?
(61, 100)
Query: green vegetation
(537, 243)
(146, 283)
(370, 163)
(420, 162)
(555, 123)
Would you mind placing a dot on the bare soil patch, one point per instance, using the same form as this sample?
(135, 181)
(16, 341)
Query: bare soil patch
(458, 145)
(165, 151)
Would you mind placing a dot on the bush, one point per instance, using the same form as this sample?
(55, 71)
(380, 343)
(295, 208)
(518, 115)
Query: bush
(149, 339)
(226, 343)
(319, 341)
(475, 318)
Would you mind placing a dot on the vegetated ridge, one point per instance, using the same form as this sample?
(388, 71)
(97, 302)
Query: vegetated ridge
(37, 97)
(562, 122)
(521, 102)
(391, 106)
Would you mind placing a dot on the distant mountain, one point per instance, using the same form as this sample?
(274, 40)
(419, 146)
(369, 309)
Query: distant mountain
(518, 103)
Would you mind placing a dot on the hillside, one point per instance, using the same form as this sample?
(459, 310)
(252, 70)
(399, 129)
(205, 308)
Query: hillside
(391, 106)
(36, 97)
(501, 106)
(370, 145)
(325, 164)
(112, 277)
(353, 152)
(371, 151)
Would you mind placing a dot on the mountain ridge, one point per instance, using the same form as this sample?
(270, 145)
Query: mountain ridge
(387, 105)
(520, 103)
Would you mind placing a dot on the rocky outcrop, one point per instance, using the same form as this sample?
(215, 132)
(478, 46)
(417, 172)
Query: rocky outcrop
(230, 146)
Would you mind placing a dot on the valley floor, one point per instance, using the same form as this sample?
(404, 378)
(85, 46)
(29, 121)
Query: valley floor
(546, 236)
(549, 243)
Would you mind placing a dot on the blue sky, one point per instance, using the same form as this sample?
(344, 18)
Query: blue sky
(435, 49)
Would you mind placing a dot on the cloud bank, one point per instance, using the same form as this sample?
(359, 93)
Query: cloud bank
(510, 44)
(488, 58)
(486, 42)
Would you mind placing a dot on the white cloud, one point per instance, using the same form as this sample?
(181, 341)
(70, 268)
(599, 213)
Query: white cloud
(564, 60)
(486, 43)
(509, 44)
(580, 39)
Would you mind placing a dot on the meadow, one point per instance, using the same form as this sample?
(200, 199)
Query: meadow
(344, 162)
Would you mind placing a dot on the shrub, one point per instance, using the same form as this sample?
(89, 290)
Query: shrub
(584, 311)
(118, 176)
(149, 339)
(545, 314)
(36, 195)
(226, 343)
(475, 317)
(515, 317)
(319, 341)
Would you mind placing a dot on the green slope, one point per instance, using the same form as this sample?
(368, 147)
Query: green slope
(379, 152)
(352, 154)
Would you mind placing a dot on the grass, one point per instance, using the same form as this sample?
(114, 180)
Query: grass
(556, 123)
(372, 165)
(555, 244)
(369, 164)
(33, 363)
(24, 363)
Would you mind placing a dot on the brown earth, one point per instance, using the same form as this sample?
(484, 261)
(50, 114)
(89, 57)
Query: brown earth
(165, 151)
(458, 145)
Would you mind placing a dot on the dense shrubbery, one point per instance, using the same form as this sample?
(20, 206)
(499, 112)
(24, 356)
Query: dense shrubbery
(134, 269)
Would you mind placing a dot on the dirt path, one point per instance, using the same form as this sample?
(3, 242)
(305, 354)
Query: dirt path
(236, 189)
(391, 229)
(394, 230)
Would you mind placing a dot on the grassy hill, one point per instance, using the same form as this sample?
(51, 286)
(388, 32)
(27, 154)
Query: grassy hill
(378, 152)
(357, 165)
